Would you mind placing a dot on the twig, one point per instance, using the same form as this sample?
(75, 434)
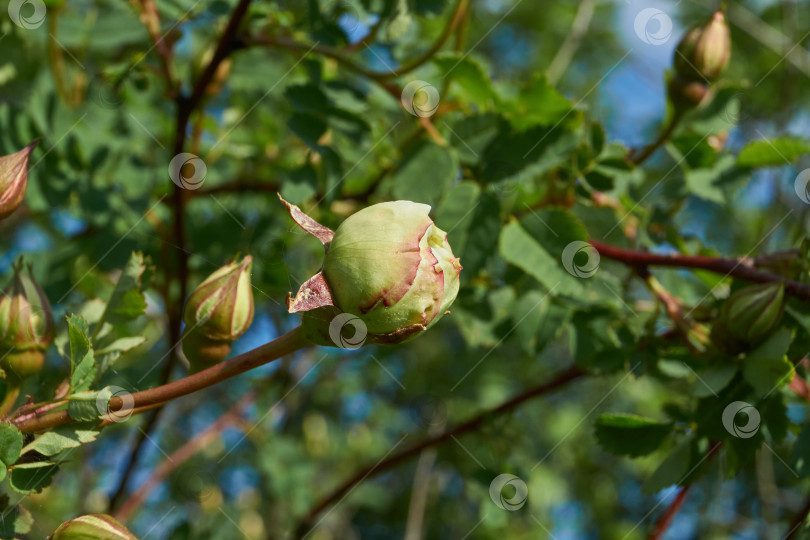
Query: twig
(181, 455)
(561, 61)
(285, 344)
(736, 268)
(640, 156)
(474, 423)
(798, 521)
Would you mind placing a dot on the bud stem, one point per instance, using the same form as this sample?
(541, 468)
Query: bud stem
(12, 393)
(143, 400)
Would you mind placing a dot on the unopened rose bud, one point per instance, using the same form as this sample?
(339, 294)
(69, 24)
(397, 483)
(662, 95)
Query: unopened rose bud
(748, 315)
(704, 51)
(217, 313)
(92, 527)
(13, 179)
(388, 265)
(26, 325)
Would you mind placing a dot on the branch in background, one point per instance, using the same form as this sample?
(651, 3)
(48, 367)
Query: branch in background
(798, 521)
(561, 61)
(182, 454)
(737, 268)
(150, 18)
(665, 520)
(145, 399)
(474, 423)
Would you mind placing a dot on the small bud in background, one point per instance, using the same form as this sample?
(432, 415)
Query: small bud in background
(92, 527)
(26, 325)
(13, 179)
(749, 315)
(388, 268)
(685, 94)
(704, 52)
(217, 313)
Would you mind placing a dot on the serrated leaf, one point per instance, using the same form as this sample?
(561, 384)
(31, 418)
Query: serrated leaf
(88, 406)
(469, 73)
(712, 381)
(425, 173)
(16, 522)
(517, 247)
(127, 302)
(82, 363)
(773, 152)
(32, 477)
(11, 441)
(53, 442)
(629, 434)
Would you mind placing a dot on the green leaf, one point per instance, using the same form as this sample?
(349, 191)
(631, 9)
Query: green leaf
(671, 471)
(16, 521)
(32, 477)
(539, 103)
(773, 152)
(629, 434)
(53, 442)
(82, 363)
(473, 80)
(425, 173)
(712, 381)
(106, 355)
(767, 368)
(481, 238)
(127, 301)
(517, 247)
(11, 441)
(89, 405)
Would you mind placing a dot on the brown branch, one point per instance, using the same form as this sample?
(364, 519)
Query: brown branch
(737, 268)
(798, 521)
(640, 156)
(283, 345)
(181, 455)
(150, 18)
(472, 424)
(666, 518)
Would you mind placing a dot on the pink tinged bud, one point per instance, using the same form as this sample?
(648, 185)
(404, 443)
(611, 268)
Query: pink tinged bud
(704, 52)
(388, 264)
(218, 312)
(92, 527)
(13, 179)
(26, 317)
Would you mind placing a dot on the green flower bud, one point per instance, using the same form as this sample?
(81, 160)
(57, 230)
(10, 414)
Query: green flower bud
(704, 51)
(388, 265)
(92, 527)
(217, 313)
(26, 325)
(13, 179)
(750, 314)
